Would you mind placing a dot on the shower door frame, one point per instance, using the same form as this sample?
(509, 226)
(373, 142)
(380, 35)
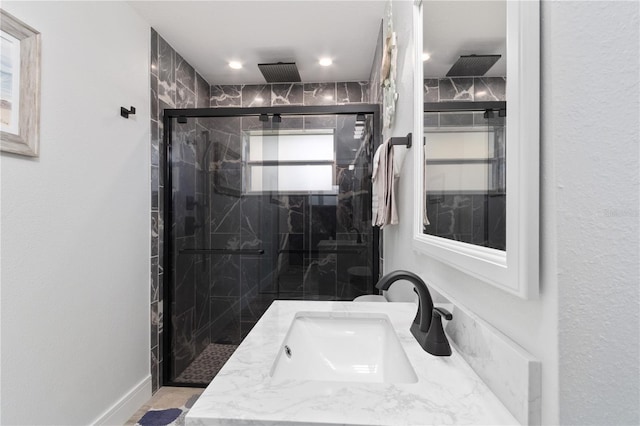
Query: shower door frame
(168, 116)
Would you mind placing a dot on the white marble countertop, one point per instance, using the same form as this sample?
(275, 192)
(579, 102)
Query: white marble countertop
(243, 393)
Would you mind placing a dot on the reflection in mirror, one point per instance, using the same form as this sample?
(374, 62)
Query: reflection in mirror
(465, 175)
(464, 64)
(477, 204)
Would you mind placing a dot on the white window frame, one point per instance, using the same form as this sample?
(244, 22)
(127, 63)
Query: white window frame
(249, 164)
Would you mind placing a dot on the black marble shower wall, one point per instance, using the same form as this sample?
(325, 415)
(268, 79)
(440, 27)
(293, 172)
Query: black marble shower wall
(219, 298)
(287, 227)
(375, 97)
(175, 84)
(474, 218)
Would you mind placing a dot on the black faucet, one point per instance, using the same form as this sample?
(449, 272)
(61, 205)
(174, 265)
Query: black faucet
(427, 325)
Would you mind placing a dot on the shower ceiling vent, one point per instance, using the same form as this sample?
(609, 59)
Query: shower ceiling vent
(280, 72)
(472, 65)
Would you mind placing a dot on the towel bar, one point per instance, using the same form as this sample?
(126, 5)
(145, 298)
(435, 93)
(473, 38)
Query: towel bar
(402, 140)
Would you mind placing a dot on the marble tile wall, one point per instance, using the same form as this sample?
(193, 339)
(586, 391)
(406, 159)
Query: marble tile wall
(474, 89)
(477, 219)
(511, 373)
(286, 227)
(303, 94)
(469, 217)
(175, 84)
(216, 310)
(375, 97)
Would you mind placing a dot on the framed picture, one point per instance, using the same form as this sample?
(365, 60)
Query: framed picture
(20, 91)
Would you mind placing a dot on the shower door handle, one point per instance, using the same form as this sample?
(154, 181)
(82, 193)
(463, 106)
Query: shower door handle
(237, 252)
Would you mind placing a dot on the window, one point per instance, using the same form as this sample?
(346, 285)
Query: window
(296, 161)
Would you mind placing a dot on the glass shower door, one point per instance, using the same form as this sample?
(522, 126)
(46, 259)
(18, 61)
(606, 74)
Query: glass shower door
(262, 210)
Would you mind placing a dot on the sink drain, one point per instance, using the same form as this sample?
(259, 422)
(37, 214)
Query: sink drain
(287, 351)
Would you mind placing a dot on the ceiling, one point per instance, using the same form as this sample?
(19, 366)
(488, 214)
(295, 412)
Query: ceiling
(455, 28)
(209, 34)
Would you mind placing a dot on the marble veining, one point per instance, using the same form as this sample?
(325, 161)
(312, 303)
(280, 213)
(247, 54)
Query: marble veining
(490, 89)
(256, 95)
(226, 96)
(166, 72)
(185, 98)
(307, 94)
(154, 95)
(319, 94)
(244, 393)
(286, 94)
(431, 90)
(475, 89)
(185, 74)
(202, 92)
(456, 89)
(510, 372)
(174, 83)
(352, 92)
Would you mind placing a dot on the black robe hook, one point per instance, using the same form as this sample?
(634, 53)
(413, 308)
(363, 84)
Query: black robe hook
(125, 112)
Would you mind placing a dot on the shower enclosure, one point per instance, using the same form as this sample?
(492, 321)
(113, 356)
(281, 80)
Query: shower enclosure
(260, 204)
(465, 172)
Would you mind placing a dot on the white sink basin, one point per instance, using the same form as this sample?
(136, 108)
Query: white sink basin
(342, 347)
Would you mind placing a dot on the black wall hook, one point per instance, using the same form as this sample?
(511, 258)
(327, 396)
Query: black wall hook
(125, 112)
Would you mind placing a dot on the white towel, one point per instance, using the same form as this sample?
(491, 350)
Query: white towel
(383, 182)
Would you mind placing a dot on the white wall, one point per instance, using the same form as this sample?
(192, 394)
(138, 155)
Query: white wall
(584, 326)
(591, 95)
(76, 224)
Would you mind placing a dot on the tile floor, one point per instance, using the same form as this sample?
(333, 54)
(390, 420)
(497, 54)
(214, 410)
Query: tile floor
(166, 397)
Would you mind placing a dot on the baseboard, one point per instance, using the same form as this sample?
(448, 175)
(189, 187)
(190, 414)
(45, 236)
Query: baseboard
(125, 407)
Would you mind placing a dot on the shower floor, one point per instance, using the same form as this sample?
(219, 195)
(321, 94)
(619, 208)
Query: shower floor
(205, 367)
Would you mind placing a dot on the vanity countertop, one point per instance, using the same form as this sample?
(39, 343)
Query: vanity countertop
(243, 393)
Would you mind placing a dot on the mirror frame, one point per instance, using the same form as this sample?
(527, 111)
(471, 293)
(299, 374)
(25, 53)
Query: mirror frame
(515, 271)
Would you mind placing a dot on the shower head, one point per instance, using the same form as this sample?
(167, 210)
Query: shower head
(472, 65)
(280, 72)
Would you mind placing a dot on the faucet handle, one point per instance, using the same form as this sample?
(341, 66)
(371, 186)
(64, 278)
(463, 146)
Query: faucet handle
(436, 342)
(443, 313)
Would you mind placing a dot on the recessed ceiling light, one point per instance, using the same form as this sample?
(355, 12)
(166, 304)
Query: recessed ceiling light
(235, 65)
(325, 62)
(426, 56)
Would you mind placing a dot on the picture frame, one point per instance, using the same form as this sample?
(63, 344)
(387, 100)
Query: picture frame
(20, 92)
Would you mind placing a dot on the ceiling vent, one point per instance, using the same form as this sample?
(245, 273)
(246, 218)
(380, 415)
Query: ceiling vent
(472, 65)
(280, 72)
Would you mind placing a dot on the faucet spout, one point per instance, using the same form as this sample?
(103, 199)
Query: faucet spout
(427, 325)
(425, 303)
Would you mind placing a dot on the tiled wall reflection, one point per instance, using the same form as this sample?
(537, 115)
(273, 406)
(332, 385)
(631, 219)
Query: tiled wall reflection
(473, 89)
(472, 217)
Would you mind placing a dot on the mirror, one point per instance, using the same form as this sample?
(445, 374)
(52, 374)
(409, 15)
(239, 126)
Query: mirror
(476, 204)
